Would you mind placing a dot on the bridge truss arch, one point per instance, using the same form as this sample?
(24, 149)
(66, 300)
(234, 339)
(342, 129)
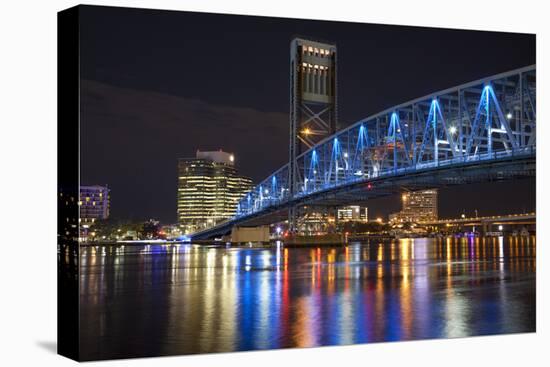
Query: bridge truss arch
(488, 120)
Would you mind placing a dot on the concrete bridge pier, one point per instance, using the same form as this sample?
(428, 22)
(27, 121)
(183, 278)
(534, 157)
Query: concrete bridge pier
(486, 227)
(250, 234)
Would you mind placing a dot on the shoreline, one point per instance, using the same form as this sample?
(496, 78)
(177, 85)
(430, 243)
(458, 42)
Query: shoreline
(271, 244)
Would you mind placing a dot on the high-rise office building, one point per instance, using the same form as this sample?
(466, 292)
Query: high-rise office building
(418, 206)
(93, 203)
(208, 189)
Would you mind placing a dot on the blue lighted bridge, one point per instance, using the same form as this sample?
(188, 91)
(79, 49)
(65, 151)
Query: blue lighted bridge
(480, 131)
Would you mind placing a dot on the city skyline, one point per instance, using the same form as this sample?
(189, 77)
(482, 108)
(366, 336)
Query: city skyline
(138, 117)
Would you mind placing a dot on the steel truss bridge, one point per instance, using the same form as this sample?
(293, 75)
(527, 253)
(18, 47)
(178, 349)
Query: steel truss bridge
(480, 131)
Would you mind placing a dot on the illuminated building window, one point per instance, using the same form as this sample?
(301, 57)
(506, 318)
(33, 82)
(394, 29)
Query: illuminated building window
(208, 190)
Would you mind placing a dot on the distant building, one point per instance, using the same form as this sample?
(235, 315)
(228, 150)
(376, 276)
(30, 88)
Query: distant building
(67, 216)
(208, 189)
(314, 221)
(418, 206)
(94, 204)
(353, 213)
(171, 231)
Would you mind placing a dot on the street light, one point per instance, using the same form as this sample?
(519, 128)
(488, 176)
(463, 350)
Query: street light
(453, 129)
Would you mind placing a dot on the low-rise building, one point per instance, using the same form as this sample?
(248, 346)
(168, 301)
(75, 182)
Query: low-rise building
(353, 213)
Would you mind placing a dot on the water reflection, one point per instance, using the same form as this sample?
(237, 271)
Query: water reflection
(182, 299)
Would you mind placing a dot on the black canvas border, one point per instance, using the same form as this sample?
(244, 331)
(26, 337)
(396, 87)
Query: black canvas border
(68, 177)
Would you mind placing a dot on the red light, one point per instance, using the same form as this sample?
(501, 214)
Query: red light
(369, 186)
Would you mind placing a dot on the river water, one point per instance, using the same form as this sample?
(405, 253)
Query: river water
(138, 301)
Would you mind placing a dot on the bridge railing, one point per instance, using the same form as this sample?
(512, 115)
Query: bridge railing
(491, 118)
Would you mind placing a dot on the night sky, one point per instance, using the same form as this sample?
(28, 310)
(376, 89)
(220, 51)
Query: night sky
(158, 85)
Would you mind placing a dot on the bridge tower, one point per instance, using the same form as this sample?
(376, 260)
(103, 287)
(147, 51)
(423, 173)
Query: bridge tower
(313, 104)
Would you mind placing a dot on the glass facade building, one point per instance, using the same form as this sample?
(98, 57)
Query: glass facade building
(209, 188)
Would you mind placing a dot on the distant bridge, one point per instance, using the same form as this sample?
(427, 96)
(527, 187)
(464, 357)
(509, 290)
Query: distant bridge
(480, 131)
(524, 218)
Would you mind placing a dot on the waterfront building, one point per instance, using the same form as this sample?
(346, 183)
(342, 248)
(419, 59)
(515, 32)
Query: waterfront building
(323, 220)
(418, 206)
(315, 221)
(93, 204)
(171, 231)
(209, 188)
(353, 213)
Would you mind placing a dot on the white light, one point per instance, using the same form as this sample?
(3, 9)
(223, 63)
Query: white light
(509, 115)
(500, 227)
(453, 129)
(231, 158)
(345, 154)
